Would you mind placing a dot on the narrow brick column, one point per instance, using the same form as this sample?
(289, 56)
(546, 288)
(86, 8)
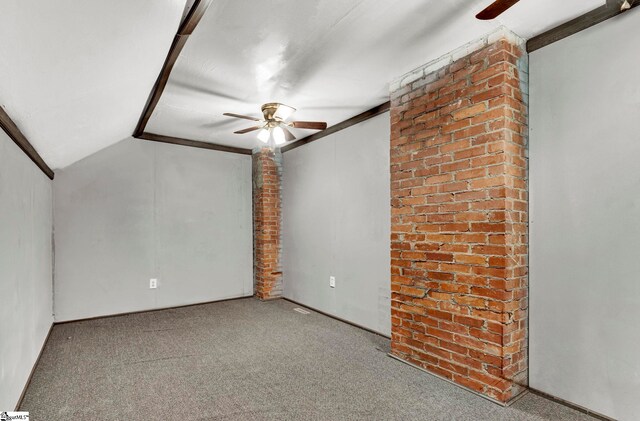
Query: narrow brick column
(267, 271)
(459, 220)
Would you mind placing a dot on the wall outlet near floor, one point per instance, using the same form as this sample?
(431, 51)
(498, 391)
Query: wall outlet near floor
(153, 283)
(332, 281)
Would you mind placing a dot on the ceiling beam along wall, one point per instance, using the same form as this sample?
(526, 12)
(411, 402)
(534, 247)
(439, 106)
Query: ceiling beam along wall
(340, 126)
(193, 143)
(12, 130)
(574, 26)
(186, 29)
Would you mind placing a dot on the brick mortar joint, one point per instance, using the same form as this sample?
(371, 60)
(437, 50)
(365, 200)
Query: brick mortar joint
(508, 312)
(452, 56)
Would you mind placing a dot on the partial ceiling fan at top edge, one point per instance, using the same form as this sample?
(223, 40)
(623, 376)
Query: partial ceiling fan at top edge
(495, 9)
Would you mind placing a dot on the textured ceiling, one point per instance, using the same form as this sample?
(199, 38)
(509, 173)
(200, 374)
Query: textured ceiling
(330, 59)
(75, 74)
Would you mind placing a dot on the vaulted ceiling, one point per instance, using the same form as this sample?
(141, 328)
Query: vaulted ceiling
(75, 74)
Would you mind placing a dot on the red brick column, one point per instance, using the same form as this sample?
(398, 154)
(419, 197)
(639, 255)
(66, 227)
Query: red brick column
(459, 221)
(267, 271)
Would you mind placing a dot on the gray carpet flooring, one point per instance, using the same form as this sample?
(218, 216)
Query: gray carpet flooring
(244, 360)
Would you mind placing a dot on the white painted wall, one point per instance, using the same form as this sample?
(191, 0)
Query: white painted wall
(585, 219)
(25, 268)
(336, 221)
(139, 210)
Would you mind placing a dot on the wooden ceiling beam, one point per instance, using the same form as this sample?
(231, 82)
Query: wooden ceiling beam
(12, 130)
(340, 126)
(193, 143)
(574, 26)
(186, 29)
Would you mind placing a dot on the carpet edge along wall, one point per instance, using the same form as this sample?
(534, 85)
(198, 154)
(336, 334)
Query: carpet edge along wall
(459, 221)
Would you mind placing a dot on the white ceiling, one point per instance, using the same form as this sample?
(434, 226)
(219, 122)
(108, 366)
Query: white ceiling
(75, 74)
(331, 59)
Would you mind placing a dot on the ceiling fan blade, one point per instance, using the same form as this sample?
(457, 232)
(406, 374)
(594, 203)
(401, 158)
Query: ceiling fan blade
(495, 9)
(247, 130)
(246, 117)
(315, 125)
(287, 134)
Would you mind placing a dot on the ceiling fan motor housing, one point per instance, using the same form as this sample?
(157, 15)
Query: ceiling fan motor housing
(270, 111)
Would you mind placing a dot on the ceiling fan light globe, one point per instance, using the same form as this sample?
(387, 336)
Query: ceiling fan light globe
(284, 112)
(263, 135)
(278, 136)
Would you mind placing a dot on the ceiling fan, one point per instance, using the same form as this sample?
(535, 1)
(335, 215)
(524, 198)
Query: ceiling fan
(498, 7)
(274, 127)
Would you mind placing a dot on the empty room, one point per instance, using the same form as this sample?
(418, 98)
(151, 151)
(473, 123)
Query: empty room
(319, 210)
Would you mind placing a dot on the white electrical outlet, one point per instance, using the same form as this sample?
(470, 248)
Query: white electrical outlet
(332, 281)
(153, 283)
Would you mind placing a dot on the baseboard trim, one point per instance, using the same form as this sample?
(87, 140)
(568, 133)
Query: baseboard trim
(337, 318)
(279, 297)
(516, 398)
(243, 297)
(571, 405)
(33, 369)
(490, 399)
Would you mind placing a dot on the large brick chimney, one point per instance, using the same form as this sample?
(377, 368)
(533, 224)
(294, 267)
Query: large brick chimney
(459, 219)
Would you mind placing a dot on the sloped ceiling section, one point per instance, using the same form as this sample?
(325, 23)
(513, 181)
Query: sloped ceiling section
(330, 59)
(75, 74)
